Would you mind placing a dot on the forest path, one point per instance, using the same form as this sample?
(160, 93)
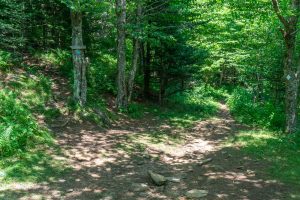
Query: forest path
(113, 163)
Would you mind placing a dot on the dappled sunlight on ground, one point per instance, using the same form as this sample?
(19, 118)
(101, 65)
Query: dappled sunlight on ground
(108, 164)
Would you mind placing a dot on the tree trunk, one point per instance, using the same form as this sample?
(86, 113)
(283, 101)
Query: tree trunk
(163, 80)
(121, 50)
(291, 104)
(79, 62)
(291, 78)
(291, 71)
(135, 56)
(292, 85)
(163, 84)
(147, 71)
(132, 74)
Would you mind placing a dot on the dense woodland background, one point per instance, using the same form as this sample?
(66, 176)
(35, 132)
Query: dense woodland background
(182, 56)
(183, 46)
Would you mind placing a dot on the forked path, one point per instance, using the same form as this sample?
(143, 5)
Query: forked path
(113, 164)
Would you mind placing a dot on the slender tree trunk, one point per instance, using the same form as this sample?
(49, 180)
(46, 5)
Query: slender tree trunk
(132, 74)
(163, 83)
(147, 71)
(291, 89)
(136, 54)
(163, 80)
(80, 82)
(121, 49)
(221, 76)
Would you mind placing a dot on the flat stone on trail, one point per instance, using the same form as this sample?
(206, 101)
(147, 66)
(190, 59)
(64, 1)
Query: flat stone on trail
(158, 179)
(196, 193)
(139, 187)
(173, 179)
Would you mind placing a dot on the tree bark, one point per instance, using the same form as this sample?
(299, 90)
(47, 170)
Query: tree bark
(291, 71)
(163, 84)
(147, 71)
(136, 53)
(79, 62)
(121, 50)
(163, 80)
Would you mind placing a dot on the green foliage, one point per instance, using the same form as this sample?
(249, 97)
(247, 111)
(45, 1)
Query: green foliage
(281, 151)
(11, 18)
(198, 101)
(33, 166)
(135, 110)
(102, 74)
(5, 60)
(57, 58)
(243, 105)
(34, 89)
(17, 126)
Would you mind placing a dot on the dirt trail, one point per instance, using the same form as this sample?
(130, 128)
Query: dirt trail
(100, 170)
(110, 165)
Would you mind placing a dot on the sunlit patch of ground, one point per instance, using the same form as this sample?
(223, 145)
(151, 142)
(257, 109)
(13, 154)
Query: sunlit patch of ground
(94, 163)
(106, 164)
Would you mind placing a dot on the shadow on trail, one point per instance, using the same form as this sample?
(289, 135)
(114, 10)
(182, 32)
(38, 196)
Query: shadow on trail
(102, 169)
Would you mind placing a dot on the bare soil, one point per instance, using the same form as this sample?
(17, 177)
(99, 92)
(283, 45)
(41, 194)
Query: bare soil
(106, 164)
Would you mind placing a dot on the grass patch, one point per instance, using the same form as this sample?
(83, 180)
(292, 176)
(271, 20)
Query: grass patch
(183, 109)
(18, 128)
(33, 166)
(281, 151)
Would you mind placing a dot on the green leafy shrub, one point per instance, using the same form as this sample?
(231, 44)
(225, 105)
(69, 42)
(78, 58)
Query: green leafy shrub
(135, 110)
(5, 59)
(17, 126)
(58, 58)
(211, 92)
(198, 101)
(265, 114)
(102, 74)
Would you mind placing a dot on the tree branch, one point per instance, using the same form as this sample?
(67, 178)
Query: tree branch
(278, 13)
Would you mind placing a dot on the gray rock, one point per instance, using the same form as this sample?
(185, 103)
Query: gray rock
(173, 179)
(196, 193)
(139, 187)
(70, 190)
(158, 179)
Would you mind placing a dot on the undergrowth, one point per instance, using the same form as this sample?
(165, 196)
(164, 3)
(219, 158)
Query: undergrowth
(281, 151)
(18, 128)
(247, 110)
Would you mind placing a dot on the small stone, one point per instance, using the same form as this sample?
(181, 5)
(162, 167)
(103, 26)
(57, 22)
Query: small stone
(70, 190)
(173, 179)
(139, 187)
(143, 194)
(158, 179)
(196, 193)
(107, 198)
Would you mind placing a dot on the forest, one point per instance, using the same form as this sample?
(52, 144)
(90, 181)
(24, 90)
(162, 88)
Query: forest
(149, 99)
